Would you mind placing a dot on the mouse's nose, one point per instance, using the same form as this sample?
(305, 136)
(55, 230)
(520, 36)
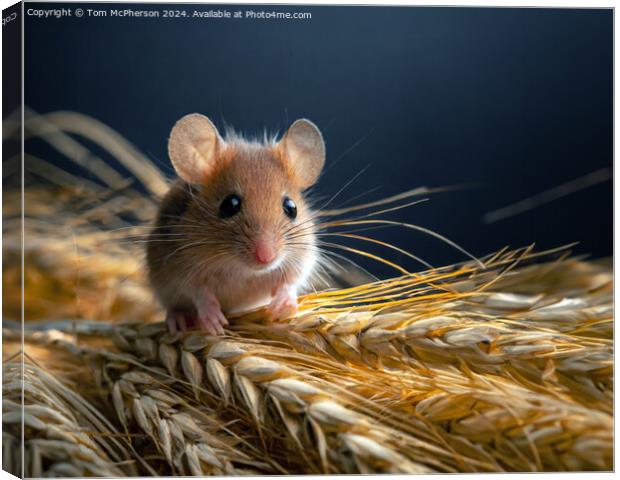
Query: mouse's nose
(264, 250)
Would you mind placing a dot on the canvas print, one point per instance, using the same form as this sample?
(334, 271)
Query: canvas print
(306, 239)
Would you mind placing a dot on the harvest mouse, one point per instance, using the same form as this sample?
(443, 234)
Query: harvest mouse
(234, 231)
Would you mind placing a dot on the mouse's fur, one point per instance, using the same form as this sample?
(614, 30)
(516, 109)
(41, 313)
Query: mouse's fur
(191, 248)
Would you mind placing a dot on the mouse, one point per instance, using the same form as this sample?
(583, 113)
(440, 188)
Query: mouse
(235, 230)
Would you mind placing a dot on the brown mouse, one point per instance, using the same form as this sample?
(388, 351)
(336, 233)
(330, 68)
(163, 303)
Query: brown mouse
(234, 231)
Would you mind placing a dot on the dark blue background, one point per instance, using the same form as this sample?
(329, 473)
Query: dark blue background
(515, 101)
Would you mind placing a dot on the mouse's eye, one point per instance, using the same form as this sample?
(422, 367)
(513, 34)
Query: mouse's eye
(290, 209)
(230, 206)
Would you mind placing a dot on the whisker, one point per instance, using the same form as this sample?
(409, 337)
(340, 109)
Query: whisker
(394, 198)
(183, 247)
(414, 227)
(323, 251)
(346, 185)
(379, 242)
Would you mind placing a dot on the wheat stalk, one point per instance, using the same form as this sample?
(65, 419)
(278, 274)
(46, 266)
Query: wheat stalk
(270, 393)
(191, 439)
(447, 396)
(64, 435)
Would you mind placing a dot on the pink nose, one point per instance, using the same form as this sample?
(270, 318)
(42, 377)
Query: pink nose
(264, 251)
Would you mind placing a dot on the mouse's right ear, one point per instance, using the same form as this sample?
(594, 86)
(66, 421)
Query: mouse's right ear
(304, 150)
(193, 145)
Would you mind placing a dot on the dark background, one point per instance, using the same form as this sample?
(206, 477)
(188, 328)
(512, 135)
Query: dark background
(513, 101)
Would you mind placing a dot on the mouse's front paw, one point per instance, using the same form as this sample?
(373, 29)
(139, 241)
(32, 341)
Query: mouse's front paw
(175, 322)
(210, 316)
(178, 321)
(283, 305)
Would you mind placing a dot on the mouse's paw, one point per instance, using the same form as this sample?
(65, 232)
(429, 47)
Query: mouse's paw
(210, 316)
(178, 321)
(283, 304)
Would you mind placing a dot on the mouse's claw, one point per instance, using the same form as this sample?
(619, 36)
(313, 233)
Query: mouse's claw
(284, 304)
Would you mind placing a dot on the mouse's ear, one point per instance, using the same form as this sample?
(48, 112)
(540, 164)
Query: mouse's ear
(304, 151)
(193, 146)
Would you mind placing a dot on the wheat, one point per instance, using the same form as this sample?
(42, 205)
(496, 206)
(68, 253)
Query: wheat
(63, 434)
(270, 393)
(451, 397)
(190, 438)
(503, 364)
(477, 381)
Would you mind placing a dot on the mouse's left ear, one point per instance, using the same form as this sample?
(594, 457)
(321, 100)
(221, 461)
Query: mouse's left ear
(304, 152)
